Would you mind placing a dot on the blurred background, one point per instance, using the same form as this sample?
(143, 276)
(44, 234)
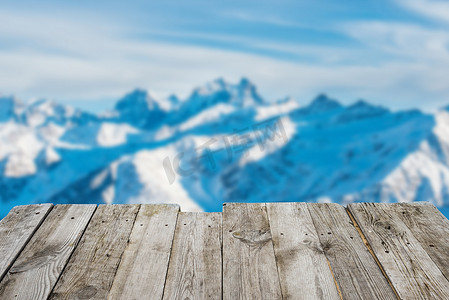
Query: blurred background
(205, 102)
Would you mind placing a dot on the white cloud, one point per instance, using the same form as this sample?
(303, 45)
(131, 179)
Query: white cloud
(437, 10)
(66, 59)
(408, 41)
(267, 19)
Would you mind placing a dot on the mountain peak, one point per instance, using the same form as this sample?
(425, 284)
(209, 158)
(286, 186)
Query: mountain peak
(49, 107)
(323, 98)
(138, 99)
(245, 83)
(361, 110)
(286, 100)
(242, 94)
(9, 107)
(140, 108)
(248, 95)
(362, 105)
(221, 82)
(138, 92)
(40, 111)
(174, 100)
(214, 86)
(322, 103)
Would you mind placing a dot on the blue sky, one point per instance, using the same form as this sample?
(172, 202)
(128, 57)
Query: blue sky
(89, 53)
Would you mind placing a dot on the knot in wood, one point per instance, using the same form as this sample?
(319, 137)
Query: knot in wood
(86, 292)
(253, 237)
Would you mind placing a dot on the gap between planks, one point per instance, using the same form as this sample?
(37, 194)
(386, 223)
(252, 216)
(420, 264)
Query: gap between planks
(403, 257)
(37, 269)
(368, 246)
(76, 246)
(335, 279)
(12, 246)
(151, 240)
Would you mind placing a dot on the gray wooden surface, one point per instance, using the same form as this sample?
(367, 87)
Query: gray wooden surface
(91, 270)
(195, 262)
(299, 254)
(430, 228)
(36, 270)
(410, 269)
(249, 264)
(16, 230)
(150, 242)
(250, 251)
(355, 270)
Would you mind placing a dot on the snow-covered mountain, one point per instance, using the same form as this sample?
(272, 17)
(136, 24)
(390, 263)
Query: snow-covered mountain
(223, 143)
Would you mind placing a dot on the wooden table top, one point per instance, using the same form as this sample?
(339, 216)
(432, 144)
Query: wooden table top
(248, 251)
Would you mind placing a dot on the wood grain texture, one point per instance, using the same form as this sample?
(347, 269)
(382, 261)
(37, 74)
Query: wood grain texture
(410, 269)
(356, 271)
(195, 262)
(251, 251)
(40, 264)
(430, 228)
(249, 265)
(91, 269)
(299, 254)
(16, 229)
(144, 264)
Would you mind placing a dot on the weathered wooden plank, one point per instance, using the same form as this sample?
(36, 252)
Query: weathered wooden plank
(195, 262)
(41, 262)
(16, 230)
(430, 228)
(143, 268)
(91, 269)
(303, 268)
(356, 271)
(410, 269)
(249, 266)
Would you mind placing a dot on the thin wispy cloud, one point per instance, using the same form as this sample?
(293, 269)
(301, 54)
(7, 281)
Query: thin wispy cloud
(437, 10)
(407, 41)
(265, 19)
(398, 63)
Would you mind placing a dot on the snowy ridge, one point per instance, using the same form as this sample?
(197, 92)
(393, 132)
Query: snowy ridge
(222, 143)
